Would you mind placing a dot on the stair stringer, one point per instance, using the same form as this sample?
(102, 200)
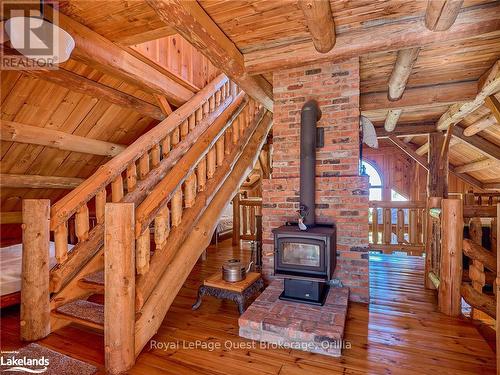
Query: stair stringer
(167, 287)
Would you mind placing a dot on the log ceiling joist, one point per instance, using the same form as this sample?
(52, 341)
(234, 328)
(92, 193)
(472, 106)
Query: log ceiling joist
(478, 166)
(392, 119)
(319, 21)
(30, 181)
(401, 72)
(196, 26)
(407, 130)
(97, 90)
(494, 105)
(482, 145)
(481, 124)
(407, 33)
(441, 14)
(424, 149)
(15, 217)
(422, 161)
(104, 55)
(419, 97)
(11, 131)
(488, 84)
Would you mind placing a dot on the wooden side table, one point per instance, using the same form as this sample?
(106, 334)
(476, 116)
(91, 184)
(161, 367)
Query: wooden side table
(239, 292)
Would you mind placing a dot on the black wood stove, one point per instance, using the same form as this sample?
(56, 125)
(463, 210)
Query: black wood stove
(305, 252)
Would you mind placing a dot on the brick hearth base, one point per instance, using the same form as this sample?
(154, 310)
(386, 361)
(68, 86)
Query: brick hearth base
(318, 329)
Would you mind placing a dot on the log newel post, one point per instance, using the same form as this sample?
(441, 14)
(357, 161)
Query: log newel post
(35, 296)
(431, 241)
(449, 297)
(236, 219)
(497, 282)
(119, 281)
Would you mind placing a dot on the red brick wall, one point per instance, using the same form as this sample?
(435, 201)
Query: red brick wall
(341, 195)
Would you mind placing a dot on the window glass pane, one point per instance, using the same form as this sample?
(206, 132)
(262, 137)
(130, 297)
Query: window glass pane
(301, 254)
(375, 179)
(396, 197)
(375, 194)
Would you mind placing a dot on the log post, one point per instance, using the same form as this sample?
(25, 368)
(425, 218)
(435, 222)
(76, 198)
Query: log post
(476, 268)
(35, 296)
(497, 286)
(451, 257)
(236, 219)
(437, 181)
(119, 284)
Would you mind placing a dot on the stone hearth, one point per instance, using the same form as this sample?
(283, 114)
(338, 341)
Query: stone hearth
(318, 329)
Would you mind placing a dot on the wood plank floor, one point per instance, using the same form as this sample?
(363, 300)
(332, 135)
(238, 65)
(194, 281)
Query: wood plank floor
(400, 332)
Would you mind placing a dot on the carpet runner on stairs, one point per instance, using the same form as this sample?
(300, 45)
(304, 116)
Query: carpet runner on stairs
(83, 312)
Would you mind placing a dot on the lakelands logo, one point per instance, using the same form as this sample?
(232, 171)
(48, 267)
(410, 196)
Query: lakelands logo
(24, 364)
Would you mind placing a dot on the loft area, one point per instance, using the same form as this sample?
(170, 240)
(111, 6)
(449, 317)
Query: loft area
(272, 187)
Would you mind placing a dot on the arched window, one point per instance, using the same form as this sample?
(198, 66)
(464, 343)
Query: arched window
(375, 181)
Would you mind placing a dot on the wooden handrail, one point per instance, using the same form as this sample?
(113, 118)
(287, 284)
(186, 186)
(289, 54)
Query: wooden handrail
(479, 211)
(385, 204)
(164, 191)
(63, 209)
(477, 252)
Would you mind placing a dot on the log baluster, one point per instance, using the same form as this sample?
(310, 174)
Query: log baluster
(201, 173)
(155, 156)
(387, 225)
(211, 163)
(100, 204)
(175, 137)
(211, 103)
(218, 95)
(198, 115)
(191, 122)
(184, 129)
(190, 190)
(82, 223)
(236, 219)
(131, 177)
(61, 242)
(176, 207)
(236, 130)
(162, 227)
(144, 166)
(400, 226)
(165, 146)
(219, 147)
(142, 252)
(117, 189)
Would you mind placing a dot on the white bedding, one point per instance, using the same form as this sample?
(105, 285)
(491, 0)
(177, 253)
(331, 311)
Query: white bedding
(10, 267)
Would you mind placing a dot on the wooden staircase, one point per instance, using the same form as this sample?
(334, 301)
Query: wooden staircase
(156, 204)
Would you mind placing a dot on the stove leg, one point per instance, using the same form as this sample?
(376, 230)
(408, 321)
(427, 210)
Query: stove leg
(240, 301)
(201, 292)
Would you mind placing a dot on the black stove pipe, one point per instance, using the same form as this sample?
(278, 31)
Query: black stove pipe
(309, 116)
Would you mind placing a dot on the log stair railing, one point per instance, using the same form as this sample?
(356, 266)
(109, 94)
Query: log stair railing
(163, 192)
(406, 234)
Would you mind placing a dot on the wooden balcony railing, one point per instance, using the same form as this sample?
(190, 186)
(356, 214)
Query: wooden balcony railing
(130, 176)
(397, 226)
(246, 218)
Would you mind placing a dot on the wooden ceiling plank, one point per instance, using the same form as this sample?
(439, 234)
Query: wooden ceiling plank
(491, 186)
(401, 72)
(479, 143)
(478, 166)
(392, 119)
(17, 132)
(194, 24)
(391, 36)
(489, 84)
(102, 54)
(97, 90)
(420, 97)
(30, 181)
(441, 14)
(406, 130)
(319, 21)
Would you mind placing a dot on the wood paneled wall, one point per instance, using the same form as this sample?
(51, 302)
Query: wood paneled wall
(181, 58)
(403, 174)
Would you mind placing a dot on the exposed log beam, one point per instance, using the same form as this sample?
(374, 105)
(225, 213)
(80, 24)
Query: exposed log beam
(31, 181)
(488, 84)
(11, 131)
(86, 86)
(406, 33)
(196, 26)
(401, 72)
(319, 21)
(479, 143)
(423, 162)
(491, 186)
(15, 217)
(441, 14)
(424, 149)
(102, 54)
(407, 130)
(478, 166)
(392, 119)
(481, 124)
(419, 97)
(494, 105)
(164, 104)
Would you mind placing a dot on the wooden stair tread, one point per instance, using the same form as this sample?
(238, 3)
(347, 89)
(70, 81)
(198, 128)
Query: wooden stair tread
(94, 278)
(84, 312)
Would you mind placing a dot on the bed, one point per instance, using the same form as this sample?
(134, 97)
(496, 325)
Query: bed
(224, 229)
(10, 272)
